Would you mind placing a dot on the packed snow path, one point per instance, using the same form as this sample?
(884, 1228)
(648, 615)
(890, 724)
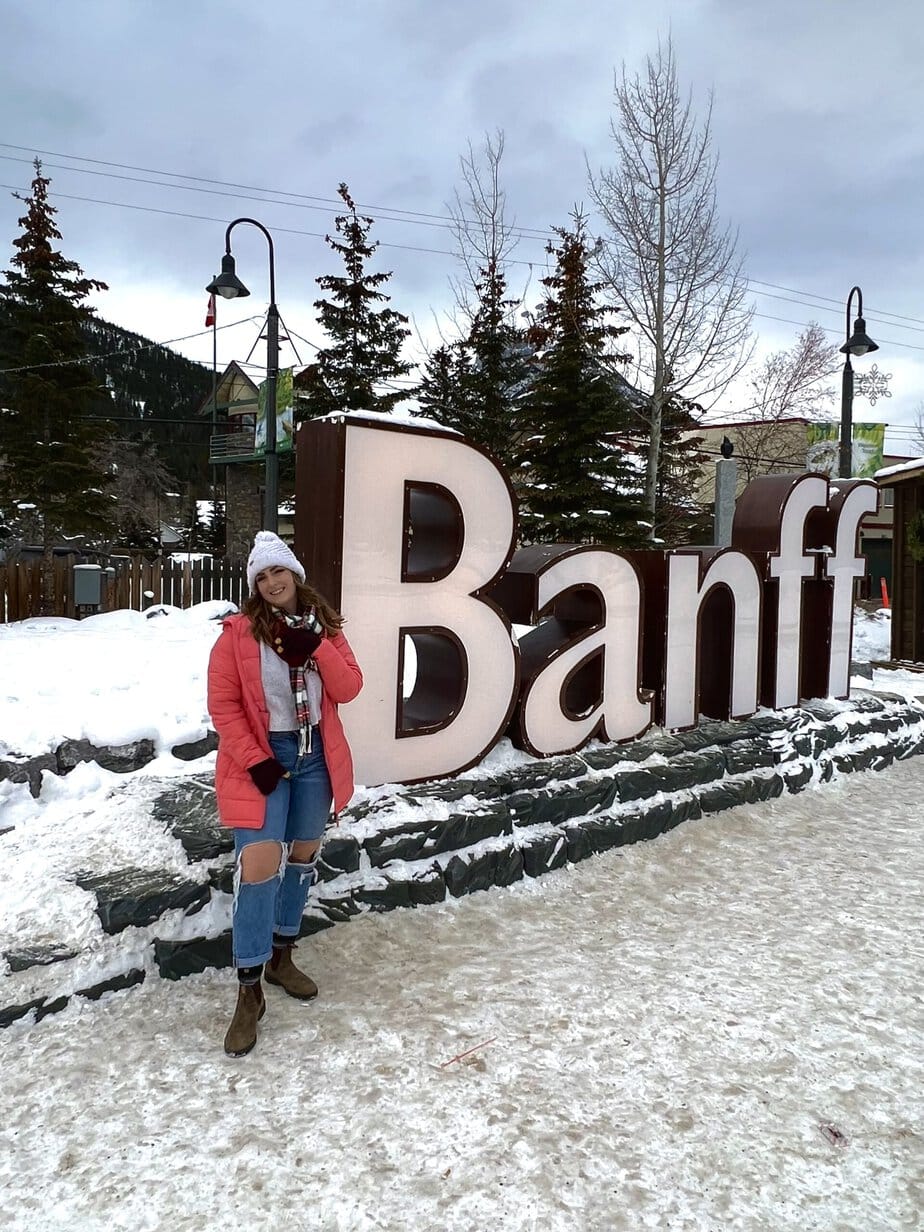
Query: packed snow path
(722, 1029)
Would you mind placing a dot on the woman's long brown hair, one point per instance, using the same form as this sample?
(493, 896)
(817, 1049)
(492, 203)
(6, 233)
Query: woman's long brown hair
(260, 613)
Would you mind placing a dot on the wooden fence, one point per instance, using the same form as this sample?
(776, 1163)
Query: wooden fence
(127, 582)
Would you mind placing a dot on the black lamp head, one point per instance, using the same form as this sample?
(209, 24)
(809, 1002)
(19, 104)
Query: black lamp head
(227, 284)
(859, 342)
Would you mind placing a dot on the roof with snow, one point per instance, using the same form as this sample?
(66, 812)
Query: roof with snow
(900, 473)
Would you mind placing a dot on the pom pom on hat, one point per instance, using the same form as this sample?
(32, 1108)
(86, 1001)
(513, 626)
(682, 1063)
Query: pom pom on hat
(268, 549)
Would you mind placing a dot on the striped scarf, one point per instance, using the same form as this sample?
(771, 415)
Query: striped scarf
(297, 677)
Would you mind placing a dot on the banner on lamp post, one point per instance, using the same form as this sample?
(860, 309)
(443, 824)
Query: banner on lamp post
(823, 443)
(284, 401)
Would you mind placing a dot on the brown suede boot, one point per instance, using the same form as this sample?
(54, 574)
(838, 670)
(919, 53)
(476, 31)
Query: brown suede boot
(250, 1008)
(282, 971)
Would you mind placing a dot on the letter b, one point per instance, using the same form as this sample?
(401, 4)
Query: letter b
(404, 527)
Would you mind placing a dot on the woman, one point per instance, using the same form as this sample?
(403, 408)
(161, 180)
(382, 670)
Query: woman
(276, 676)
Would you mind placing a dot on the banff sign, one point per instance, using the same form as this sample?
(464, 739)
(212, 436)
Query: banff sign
(411, 531)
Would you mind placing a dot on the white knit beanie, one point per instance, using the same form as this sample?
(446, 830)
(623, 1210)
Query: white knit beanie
(269, 549)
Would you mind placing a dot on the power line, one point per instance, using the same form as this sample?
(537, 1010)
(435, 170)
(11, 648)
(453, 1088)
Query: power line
(129, 350)
(307, 341)
(302, 201)
(520, 232)
(148, 209)
(841, 304)
(416, 217)
(896, 324)
(99, 162)
(908, 346)
(320, 235)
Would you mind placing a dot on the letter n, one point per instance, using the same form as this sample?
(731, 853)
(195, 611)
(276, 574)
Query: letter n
(712, 636)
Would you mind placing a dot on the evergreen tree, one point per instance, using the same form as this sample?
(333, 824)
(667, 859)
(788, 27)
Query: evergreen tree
(477, 384)
(680, 518)
(581, 477)
(48, 443)
(213, 541)
(357, 370)
(142, 380)
(438, 392)
(495, 370)
(154, 384)
(140, 484)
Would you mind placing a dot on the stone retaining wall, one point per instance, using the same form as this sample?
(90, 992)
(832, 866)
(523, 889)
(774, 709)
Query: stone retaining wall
(418, 845)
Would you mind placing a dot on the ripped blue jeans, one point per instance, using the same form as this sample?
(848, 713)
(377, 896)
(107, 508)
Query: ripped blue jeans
(297, 811)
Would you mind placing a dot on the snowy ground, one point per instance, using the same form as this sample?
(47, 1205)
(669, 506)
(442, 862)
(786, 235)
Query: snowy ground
(723, 1029)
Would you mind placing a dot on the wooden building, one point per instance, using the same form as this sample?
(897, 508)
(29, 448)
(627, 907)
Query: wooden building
(233, 454)
(906, 481)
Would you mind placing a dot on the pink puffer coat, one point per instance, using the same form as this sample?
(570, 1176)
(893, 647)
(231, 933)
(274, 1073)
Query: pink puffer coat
(238, 708)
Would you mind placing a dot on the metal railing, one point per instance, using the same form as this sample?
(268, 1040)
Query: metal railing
(224, 446)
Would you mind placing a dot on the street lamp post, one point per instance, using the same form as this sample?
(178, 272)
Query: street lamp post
(857, 343)
(228, 285)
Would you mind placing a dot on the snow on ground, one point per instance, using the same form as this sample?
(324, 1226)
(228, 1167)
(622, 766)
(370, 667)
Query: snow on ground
(872, 635)
(113, 678)
(723, 1029)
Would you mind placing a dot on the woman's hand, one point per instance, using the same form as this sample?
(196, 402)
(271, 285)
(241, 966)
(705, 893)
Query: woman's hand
(297, 645)
(266, 775)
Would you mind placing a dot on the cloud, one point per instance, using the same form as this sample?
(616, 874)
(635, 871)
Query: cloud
(816, 121)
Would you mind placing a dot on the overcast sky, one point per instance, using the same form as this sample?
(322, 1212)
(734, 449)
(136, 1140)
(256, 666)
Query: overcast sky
(817, 120)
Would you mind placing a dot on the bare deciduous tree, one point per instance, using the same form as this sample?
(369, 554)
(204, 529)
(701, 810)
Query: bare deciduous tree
(670, 263)
(484, 235)
(917, 440)
(790, 384)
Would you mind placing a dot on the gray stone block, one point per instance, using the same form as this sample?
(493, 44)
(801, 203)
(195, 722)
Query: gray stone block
(127, 980)
(797, 778)
(12, 1013)
(751, 755)
(28, 770)
(133, 896)
(221, 878)
(188, 810)
(175, 959)
(720, 796)
(120, 758)
(404, 842)
(341, 853)
(717, 734)
(689, 770)
(196, 748)
(312, 923)
(37, 956)
(428, 887)
(542, 853)
(609, 755)
(638, 784)
(469, 873)
(394, 893)
(338, 908)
